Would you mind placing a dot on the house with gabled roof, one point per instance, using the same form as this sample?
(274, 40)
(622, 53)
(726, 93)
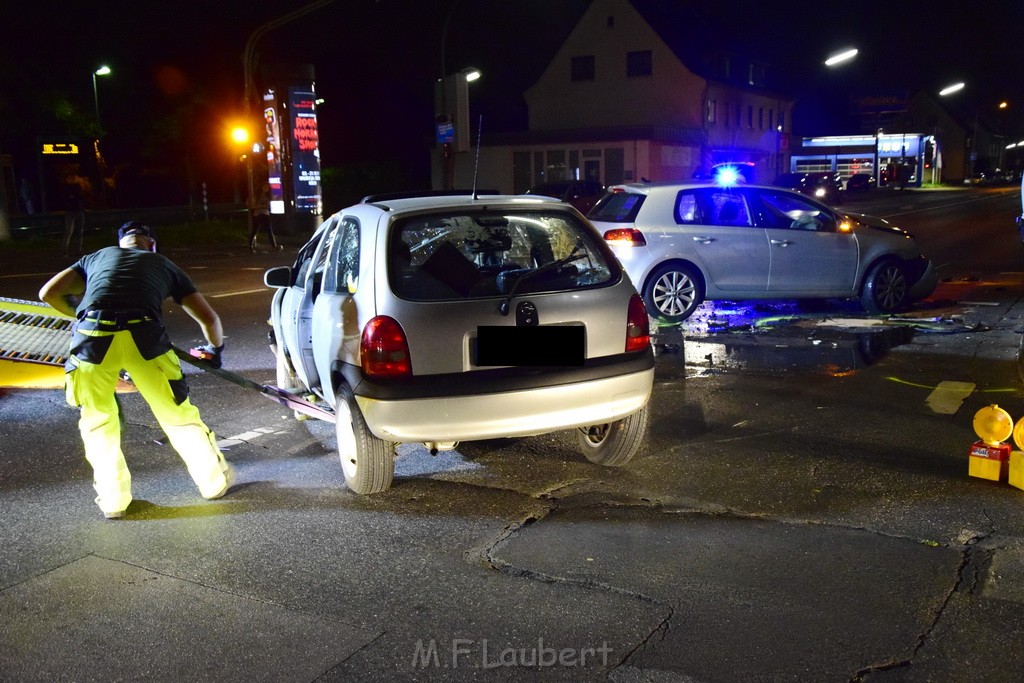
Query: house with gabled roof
(635, 93)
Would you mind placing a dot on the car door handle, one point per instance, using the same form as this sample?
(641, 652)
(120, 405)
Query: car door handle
(703, 239)
(781, 243)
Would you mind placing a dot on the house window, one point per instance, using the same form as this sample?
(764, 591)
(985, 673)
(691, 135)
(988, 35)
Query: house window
(782, 121)
(555, 169)
(750, 117)
(771, 119)
(582, 68)
(760, 118)
(638, 63)
(712, 111)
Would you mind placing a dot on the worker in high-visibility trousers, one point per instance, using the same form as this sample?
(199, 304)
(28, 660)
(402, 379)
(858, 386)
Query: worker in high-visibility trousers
(117, 295)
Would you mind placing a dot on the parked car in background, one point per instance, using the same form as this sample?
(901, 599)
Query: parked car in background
(823, 186)
(682, 244)
(860, 182)
(582, 194)
(437, 319)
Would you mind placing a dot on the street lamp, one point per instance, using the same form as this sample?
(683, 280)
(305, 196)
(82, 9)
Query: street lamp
(840, 57)
(452, 109)
(240, 136)
(949, 90)
(102, 71)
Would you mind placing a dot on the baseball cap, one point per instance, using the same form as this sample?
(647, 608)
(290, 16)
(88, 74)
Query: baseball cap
(135, 228)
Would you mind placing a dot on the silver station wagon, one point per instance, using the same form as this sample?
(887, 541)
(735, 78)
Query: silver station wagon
(685, 243)
(439, 318)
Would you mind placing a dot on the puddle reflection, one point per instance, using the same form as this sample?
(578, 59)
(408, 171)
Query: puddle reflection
(772, 337)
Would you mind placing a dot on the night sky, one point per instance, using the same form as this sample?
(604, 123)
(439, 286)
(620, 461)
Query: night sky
(376, 61)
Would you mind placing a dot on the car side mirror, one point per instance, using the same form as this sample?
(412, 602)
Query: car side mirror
(278, 278)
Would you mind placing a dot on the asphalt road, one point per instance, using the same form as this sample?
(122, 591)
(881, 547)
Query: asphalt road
(802, 511)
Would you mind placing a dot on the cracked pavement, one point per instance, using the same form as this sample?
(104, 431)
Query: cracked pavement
(809, 521)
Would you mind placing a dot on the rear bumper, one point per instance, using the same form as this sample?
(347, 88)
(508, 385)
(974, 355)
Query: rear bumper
(524, 412)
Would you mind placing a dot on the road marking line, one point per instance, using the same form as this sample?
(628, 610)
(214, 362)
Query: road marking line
(948, 396)
(248, 291)
(246, 437)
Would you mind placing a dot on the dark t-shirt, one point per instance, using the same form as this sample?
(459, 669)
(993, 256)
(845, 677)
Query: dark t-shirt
(130, 279)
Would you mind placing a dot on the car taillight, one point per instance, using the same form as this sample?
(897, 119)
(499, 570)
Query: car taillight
(628, 236)
(638, 333)
(383, 349)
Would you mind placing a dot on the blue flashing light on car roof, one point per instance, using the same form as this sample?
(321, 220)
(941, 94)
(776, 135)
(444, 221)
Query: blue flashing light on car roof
(727, 176)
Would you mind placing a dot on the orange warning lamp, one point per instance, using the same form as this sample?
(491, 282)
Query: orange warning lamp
(989, 458)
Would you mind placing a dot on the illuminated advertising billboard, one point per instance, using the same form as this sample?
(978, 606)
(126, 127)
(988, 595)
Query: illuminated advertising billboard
(272, 144)
(305, 150)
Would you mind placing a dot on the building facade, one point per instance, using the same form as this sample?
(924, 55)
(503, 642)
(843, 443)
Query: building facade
(625, 100)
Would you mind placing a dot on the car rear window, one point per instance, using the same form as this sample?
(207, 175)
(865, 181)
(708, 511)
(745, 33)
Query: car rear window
(472, 255)
(617, 207)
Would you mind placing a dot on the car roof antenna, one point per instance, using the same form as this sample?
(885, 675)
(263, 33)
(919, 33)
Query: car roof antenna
(476, 167)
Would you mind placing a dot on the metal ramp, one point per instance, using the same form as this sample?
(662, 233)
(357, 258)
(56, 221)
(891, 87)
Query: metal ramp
(34, 344)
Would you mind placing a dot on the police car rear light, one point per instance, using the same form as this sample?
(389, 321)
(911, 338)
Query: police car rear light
(626, 236)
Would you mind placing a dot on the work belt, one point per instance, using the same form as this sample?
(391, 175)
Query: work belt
(115, 320)
(93, 333)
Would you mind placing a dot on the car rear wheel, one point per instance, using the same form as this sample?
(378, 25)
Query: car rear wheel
(614, 444)
(886, 289)
(367, 461)
(673, 292)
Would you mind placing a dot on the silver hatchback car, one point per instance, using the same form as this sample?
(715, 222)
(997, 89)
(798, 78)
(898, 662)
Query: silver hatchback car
(682, 244)
(439, 318)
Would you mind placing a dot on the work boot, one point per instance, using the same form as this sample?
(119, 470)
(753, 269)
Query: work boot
(229, 480)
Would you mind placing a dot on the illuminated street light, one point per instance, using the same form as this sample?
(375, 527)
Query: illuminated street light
(471, 74)
(840, 57)
(950, 89)
(102, 71)
(240, 134)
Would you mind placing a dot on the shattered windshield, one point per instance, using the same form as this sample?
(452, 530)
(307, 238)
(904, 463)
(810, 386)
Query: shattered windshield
(484, 254)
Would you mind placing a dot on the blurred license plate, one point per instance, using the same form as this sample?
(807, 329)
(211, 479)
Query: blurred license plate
(536, 345)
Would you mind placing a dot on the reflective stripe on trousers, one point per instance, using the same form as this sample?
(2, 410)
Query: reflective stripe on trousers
(91, 386)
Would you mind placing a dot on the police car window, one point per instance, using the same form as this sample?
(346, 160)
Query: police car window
(617, 207)
(790, 211)
(686, 208)
(342, 275)
(726, 207)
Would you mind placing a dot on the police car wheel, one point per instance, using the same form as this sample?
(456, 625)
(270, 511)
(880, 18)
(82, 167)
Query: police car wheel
(673, 292)
(886, 288)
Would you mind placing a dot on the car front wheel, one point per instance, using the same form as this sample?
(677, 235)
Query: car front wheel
(614, 444)
(886, 289)
(673, 292)
(368, 462)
